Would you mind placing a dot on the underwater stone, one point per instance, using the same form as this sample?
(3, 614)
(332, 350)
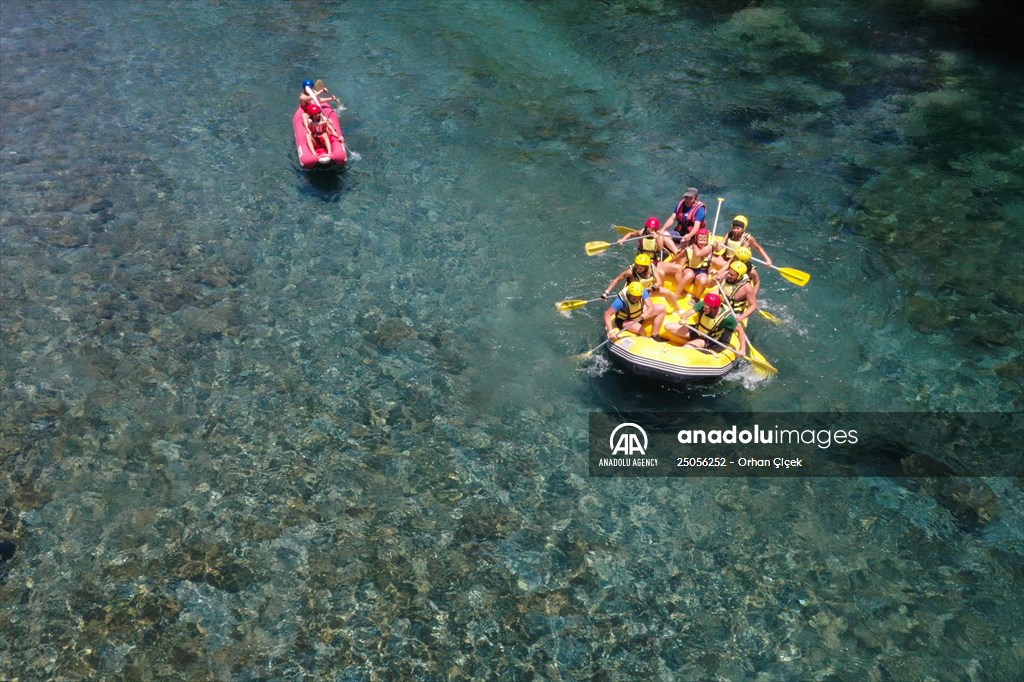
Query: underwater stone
(216, 277)
(390, 333)
(7, 549)
(1011, 370)
(27, 498)
(488, 521)
(101, 205)
(768, 30)
(971, 500)
(925, 314)
(68, 240)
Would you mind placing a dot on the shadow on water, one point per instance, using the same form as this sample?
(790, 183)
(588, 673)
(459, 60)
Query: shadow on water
(620, 391)
(326, 185)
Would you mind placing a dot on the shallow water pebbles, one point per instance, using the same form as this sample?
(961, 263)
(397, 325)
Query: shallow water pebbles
(487, 520)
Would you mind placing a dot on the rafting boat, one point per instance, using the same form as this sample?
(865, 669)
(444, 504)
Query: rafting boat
(670, 360)
(308, 159)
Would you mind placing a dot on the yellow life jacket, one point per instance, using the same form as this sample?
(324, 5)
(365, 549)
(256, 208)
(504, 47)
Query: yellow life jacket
(737, 243)
(632, 311)
(647, 281)
(730, 289)
(712, 326)
(695, 262)
(649, 245)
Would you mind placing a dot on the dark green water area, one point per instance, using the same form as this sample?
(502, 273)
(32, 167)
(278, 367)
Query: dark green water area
(263, 424)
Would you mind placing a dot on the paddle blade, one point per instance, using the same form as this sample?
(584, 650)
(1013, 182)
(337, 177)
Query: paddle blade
(761, 365)
(563, 306)
(594, 248)
(622, 229)
(768, 316)
(797, 277)
(319, 85)
(583, 356)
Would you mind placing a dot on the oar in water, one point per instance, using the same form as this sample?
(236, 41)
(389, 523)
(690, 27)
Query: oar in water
(755, 355)
(763, 365)
(573, 304)
(584, 356)
(622, 229)
(768, 316)
(594, 248)
(797, 277)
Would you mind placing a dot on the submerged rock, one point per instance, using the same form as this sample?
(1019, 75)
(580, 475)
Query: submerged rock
(1011, 370)
(925, 314)
(767, 31)
(488, 521)
(971, 500)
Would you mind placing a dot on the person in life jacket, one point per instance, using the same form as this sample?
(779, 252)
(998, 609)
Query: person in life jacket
(739, 291)
(649, 240)
(690, 265)
(630, 310)
(715, 322)
(739, 236)
(305, 98)
(740, 255)
(642, 270)
(689, 216)
(319, 129)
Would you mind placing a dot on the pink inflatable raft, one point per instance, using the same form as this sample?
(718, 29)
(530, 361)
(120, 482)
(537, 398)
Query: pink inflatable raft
(307, 158)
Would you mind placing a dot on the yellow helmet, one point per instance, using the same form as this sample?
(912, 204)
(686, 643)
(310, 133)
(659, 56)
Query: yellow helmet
(742, 219)
(643, 260)
(744, 253)
(738, 267)
(635, 289)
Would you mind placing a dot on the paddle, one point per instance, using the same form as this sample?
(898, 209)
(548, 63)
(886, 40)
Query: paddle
(319, 85)
(356, 156)
(584, 356)
(760, 364)
(797, 277)
(595, 248)
(622, 229)
(714, 228)
(768, 316)
(756, 357)
(573, 304)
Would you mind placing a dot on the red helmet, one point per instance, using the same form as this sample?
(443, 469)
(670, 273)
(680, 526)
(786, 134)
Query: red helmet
(313, 109)
(713, 301)
(653, 223)
(701, 231)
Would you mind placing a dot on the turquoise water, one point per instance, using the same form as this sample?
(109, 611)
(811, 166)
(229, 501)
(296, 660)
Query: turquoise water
(260, 424)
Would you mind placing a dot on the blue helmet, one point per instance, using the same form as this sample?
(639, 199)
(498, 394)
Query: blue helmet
(307, 84)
